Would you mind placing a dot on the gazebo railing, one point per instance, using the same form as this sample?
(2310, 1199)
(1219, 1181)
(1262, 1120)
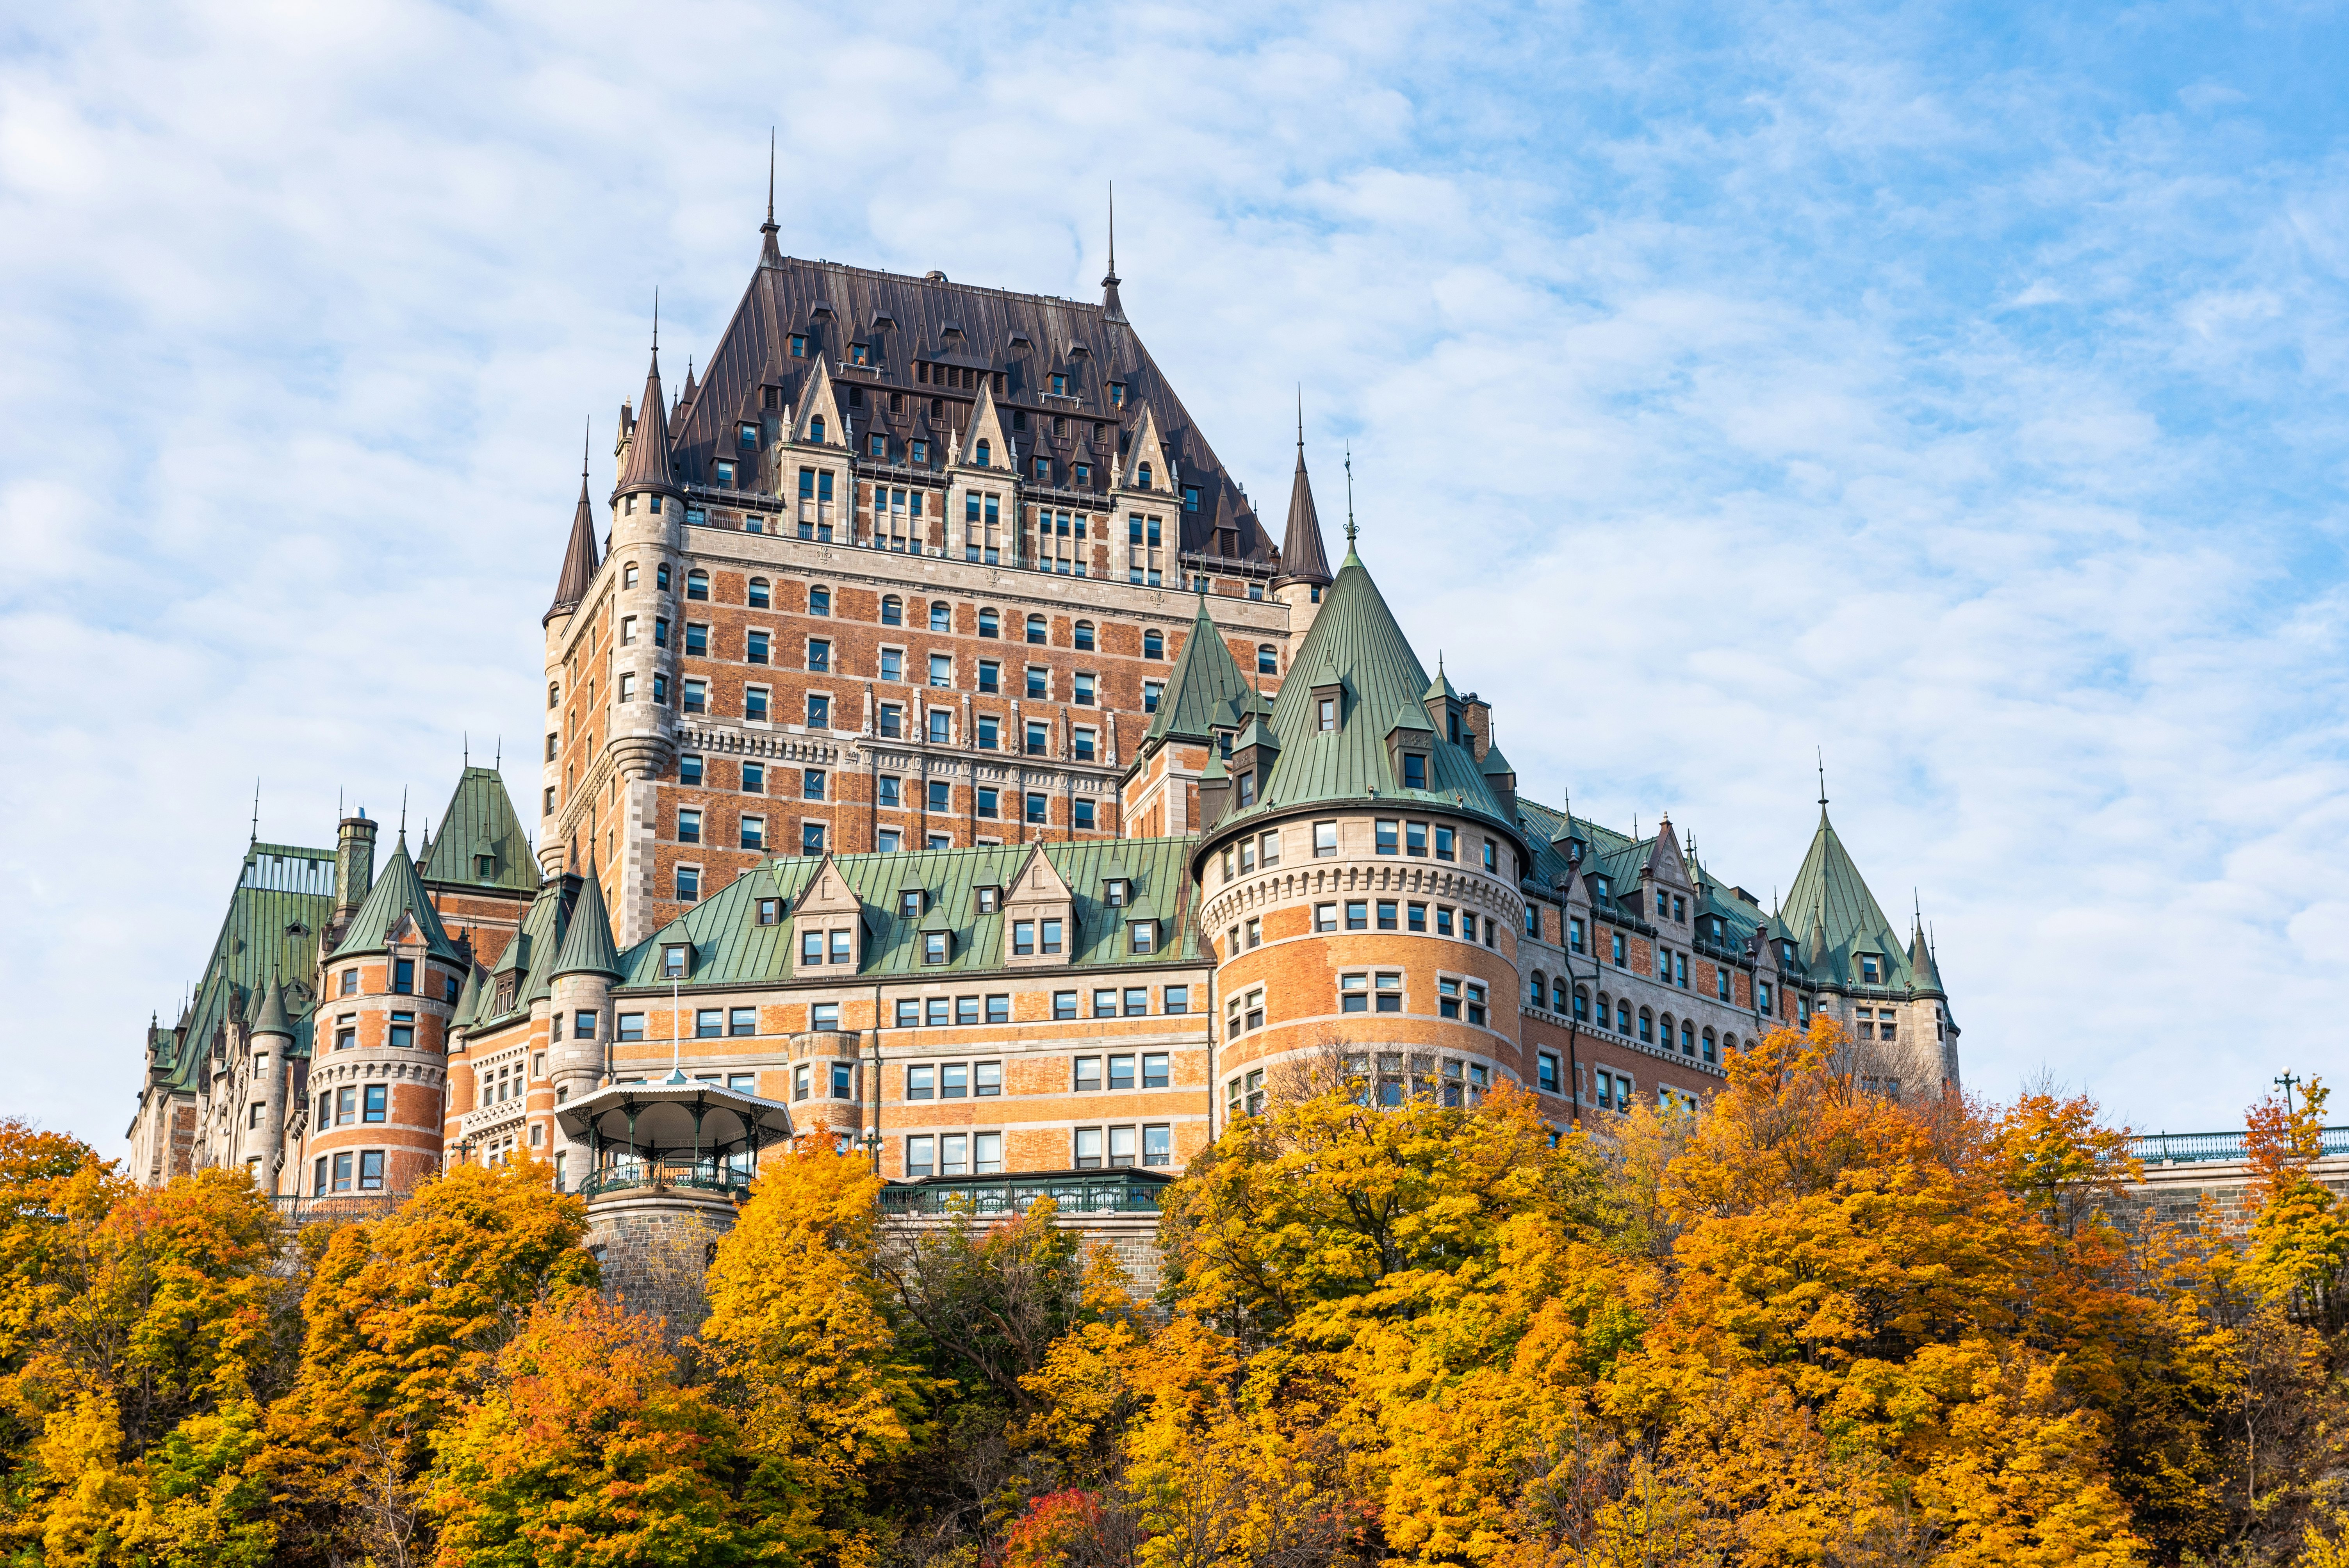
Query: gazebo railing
(705, 1175)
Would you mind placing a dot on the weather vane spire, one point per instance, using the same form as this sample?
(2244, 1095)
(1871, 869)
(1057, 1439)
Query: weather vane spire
(1112, 229)
(1350, 496)
(256, 812)
(1823, 778)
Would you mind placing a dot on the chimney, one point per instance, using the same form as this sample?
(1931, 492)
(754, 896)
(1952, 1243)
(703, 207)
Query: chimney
(354, 866)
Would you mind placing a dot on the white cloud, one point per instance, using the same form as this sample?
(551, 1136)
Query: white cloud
(1972, 412)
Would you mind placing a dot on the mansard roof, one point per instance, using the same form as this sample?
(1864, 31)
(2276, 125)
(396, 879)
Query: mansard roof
(398, 895)
(481, 821)
(908, 320)
(531, 958)
(285, 894)
(731, 948)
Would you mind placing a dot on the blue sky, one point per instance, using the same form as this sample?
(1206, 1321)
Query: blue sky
(1957, 390)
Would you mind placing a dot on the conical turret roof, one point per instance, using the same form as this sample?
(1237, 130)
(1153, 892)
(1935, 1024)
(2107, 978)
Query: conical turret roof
(270, 1018)
(1356, 637)
(1302, 559)
(648, 466)
(587, 945)
(1924, 973)
(580, 559)
(398, 893)
(1830, 901)
(1205, 677)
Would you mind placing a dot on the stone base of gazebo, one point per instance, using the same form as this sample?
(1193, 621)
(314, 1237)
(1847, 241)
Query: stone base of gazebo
(655, 1244)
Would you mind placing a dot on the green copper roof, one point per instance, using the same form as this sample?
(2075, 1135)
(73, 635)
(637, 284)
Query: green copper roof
(468, 1000)
(731, 948)
(1205, 691)
(397, 891)
(269, 1017)
(284, 895)
(1355, 634)
(524, 970)
(588, 947)
(1830, 906)
(481, 842)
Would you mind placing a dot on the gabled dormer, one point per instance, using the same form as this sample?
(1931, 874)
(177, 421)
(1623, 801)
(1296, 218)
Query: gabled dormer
(1254, 753)
(1039, 928)
(984, 444)
(1444, 708)
(828, 928)
(1664, 884)
(816, 421)
(1411, 751)
(1145, 466)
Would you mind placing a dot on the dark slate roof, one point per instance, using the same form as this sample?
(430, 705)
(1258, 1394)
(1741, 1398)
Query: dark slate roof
(285, 893)
(647, 464)
(1302, 559)
(579, 558)
(1206, 692)
(1356, 637)
(481, 821)
(1024, 336)
(397, 891)
(731, 948)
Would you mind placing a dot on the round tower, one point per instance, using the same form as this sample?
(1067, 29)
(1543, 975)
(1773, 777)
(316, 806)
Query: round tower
(1360, 882)
(573, 591)
(581, 1007)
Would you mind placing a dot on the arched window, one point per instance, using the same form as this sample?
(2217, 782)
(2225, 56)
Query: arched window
(1537, 990)
(819, 601)
(815, 430)
(554, 694)
(990, 624)
(1036, 629)
(1647, 1025)
(1622, 1019)
(1154, 644)
(697, 583)
(629, 575)
(1709, 1047)
(1602, 1009)
(980, 454)
(760, 598)
(893, 611)
(1582, 1004)
(941, 615)
(1728, 1043)
(1267, 659)
(1687, 1039)
(1143, 473)
(1084, 634)
(1557, 995)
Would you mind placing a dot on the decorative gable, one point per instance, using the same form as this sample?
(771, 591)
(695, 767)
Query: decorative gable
(984, 445)
(1147, 466)
(829, 923)
(816, 422)
(1039, 928)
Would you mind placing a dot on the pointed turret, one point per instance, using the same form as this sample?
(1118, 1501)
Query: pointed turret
(1924, 974)
(1112, 308)
(587, 945)
(647, 468)
(1302, 559)
(270, 1018)
(580, 560)
(1830, 902)
(1206, 679)
(396, 902)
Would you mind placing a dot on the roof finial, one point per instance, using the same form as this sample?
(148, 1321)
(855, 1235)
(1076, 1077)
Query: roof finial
(1823, 778)
(256, 812)
(403, 813)
(769, 227)
(1349, 499)
(1113, 232)
(1300, 420)
(497, 757)
(657, 321)
(466, 744)
(586, 445)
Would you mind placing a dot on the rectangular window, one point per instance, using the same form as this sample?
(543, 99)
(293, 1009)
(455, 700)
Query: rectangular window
(811, 839)
(1443, 920)
(1121, 1149)
(378, 1104)
(1088, 1148)
(825, 1015)
(986, 1079)
(688, 827)
(403, 977)
(818, 710)
(1152, 691)
(583, 1026)
(1389, 834)
(1444, 843)
(1325, 839)
(697, 695)
(844, 1080)
(1353, 993)
(632, 1026)
(1358, 914)
(1447, 998)
(371, 1170)
(754, 832)
(708, 1023)
(689, 883)
(1390, 993)
(1158, 1145)
(738, 1021)
(1083, 684)
(921, 1082)
(921, 1156)
(403, 1030)
(954, 1081)
(909, 1013)
(1415, 918)
(839, 947)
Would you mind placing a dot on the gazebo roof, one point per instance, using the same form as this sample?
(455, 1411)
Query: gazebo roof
(652, 1118)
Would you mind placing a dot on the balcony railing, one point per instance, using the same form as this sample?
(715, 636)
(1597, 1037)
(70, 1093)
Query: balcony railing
(334, 1208)
(2191, 1148)
(1081, 1192)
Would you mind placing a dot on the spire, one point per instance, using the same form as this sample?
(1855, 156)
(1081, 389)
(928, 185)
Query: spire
(1206, 680)
(1112, 308)
(587, 945)
(1352, 558)
(579, 558)
(647, 464)
(1302, 559)
(770, 253)
(1923, 973)
(269, 1018)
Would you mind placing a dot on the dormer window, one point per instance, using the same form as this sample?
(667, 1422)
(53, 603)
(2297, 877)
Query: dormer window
(938, 946)
(1142, 474)
(1117, 394)
(860, 354)
(982, 455)
(674, 958)
(1872, 969)
(798, 346)
(989, 900)
(909, 904)
(1326, 712)
(1115, 891)
(1414, 770)
(1142, 936)
(1060, 385)
(815, 430)
(1248, 788)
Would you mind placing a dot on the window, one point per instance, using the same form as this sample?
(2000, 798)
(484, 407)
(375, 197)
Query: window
(371, 1162)
(941, 615)
(402, 1035)
(708, 1023)
(696, 639)
(697, 583)
(689, 883)
(819, 710)
(1325, 838)
(754, 832)
(1152, 691)
(1268, 662)
(812, 838)
(1083, 686)
(378, 1103)
(1447, 998)
(1358, 914)
(1443, 920)
(689, 826)
(990, 675)
(893, 611)
(941, 669)
(1622, 952)
(989, 623)
(759, 599)
(1084, 743)
(1254, 931)
(886, 789)
(1154, 644)
(1444, 843)
(697, 695)
(941, 727)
